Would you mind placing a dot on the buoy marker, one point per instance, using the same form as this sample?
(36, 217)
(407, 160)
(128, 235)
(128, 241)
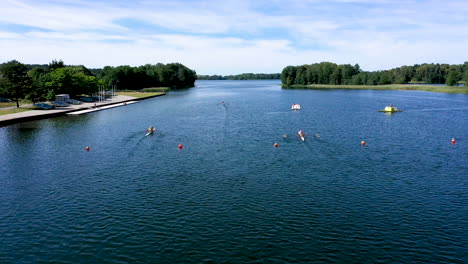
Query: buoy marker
(88, 148)
(180, 146)
(363, 143)
(275, 145)
(453, 141)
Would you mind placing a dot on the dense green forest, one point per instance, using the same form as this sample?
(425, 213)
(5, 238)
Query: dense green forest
(345, 74)
(243, 76)
(174, 75)
(42, 82)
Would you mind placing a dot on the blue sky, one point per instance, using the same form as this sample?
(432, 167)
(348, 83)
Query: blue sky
(235, 36)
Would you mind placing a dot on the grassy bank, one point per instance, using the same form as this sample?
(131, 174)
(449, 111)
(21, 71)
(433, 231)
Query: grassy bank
(15, 110)
(427, 88)
(11, 104)
(140, 95)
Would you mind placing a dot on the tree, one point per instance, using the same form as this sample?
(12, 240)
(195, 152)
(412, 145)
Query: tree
(54, 64)
(39, 78)
(325, 70)
(71, 80)
(452, 78)
(288, 75)
(335, 77)
(357, 68)
(465, 78)
(14, 81)
(173, 75)
(301, 76)
(385, 78)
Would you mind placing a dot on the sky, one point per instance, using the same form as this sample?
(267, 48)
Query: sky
(235, 36)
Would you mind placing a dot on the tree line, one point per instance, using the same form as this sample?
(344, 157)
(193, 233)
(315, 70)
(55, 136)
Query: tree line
(173, 75)
(42, 82)
(346, 74)
(243, 76)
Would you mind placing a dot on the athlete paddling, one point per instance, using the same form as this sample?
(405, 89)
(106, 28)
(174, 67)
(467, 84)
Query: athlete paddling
(301, 135)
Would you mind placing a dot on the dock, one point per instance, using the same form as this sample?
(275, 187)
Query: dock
(99, 108)
(119, 100)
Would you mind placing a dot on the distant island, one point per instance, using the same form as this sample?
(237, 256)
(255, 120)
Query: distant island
(243, 76)
(327, 75)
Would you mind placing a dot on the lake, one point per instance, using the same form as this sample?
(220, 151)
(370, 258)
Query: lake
(230, 196)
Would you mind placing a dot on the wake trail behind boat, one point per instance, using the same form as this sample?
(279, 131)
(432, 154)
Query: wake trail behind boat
(226, 118)
(131, 153)
(131, 136)
(308, 147)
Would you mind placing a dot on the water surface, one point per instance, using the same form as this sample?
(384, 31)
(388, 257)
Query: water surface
(229, 196)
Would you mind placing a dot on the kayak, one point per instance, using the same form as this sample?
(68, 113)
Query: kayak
(149, 132)
(301, 135)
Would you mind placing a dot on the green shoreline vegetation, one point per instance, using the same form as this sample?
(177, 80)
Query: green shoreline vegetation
(8, 111)
(38, 83)
(401, 87)
(327, 75)
(243, 76)
(141, 94)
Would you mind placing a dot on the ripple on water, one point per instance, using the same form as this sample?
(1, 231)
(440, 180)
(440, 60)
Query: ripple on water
(229, 196)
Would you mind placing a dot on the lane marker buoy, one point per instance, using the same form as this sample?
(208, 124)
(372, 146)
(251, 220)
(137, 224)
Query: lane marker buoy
(363, 143)
(453, 141)
(180, 146)
(275, 145)
(88, 148)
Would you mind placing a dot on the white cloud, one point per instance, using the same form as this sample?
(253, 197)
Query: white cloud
(237, 36)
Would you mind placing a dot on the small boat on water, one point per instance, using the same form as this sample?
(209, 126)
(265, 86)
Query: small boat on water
(150, 131)
(296, 107)
(301, 135)
(390, 109)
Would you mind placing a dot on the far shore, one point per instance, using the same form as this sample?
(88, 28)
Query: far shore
(403, 87)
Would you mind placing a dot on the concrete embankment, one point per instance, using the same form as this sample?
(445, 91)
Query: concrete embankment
(32, 115)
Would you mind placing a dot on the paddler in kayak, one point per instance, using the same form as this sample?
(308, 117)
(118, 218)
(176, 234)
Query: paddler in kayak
(301, 135)
(151, 129)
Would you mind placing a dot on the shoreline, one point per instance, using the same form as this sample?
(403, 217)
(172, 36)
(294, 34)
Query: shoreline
(399, 87)
(33, 115)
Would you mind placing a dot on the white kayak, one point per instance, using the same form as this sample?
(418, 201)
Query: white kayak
(301, 135)
(149, 132)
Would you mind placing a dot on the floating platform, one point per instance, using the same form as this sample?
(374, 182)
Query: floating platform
(99, 108)
(390, 109)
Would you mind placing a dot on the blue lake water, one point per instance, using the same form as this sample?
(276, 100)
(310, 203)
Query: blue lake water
(229, 196)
